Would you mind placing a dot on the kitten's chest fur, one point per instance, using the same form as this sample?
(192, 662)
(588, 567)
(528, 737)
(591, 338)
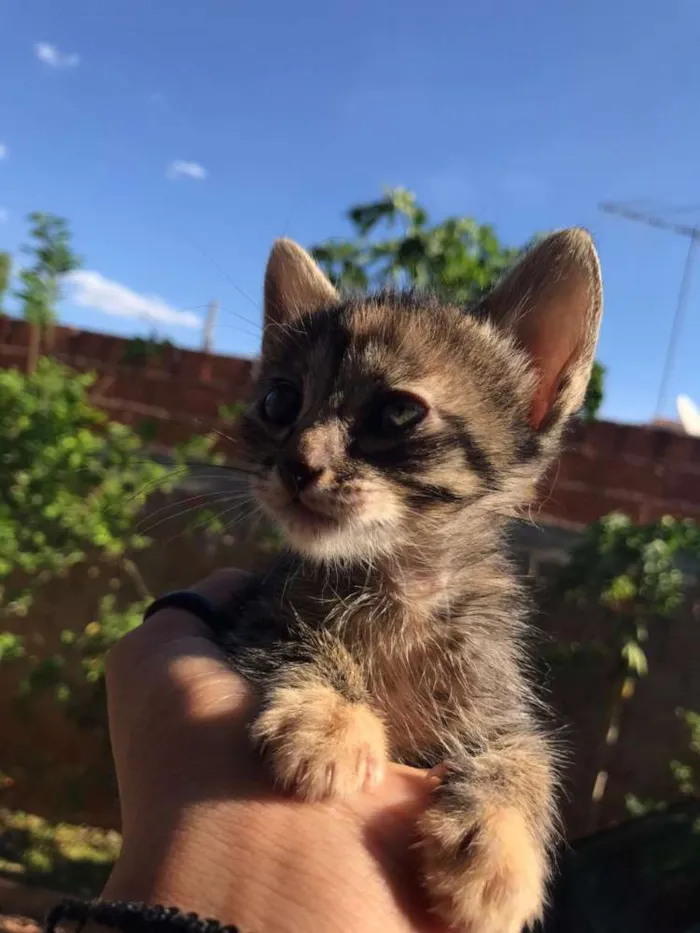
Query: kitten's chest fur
(436, 657)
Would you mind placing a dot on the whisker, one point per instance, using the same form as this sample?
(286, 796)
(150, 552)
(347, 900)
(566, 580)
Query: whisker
(230, 465)
(203, 498)
(156, 482)
(242, 516)
(226, 437)
(183, 511)
(198, 526)
(189, 473)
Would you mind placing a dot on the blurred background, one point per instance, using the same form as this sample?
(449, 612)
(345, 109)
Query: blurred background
(150, 151)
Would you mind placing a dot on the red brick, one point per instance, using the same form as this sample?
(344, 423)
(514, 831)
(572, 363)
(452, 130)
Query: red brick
(603, 435)
(18, 334)
(682, 485)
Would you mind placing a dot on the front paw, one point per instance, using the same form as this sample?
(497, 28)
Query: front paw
(320, 744)
(484, 875)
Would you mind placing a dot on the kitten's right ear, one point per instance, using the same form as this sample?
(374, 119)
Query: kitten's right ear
(294, 284)
(552, 303)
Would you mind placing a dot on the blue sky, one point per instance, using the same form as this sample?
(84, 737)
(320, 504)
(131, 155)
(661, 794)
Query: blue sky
(181, 137)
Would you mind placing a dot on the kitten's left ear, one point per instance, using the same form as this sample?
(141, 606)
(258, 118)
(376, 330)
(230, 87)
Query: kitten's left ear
(552, 301)
(294, 284)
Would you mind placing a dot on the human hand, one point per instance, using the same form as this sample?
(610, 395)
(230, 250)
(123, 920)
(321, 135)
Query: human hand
(203, 828)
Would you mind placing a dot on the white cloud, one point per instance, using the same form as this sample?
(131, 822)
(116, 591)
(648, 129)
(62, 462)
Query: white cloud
(51, 56)
(4, 215)
(180, 169)
(4, 151)
(90, 289)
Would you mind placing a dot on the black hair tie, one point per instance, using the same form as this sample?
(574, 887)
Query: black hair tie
(131, 917)
(189, 601)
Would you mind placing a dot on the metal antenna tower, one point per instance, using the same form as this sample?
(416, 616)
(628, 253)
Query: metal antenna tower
(693, 234)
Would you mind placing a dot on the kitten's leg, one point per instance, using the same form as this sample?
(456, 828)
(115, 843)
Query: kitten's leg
(486, 837)
(317, 726)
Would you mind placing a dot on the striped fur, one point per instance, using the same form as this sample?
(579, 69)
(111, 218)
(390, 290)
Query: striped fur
(394, 625)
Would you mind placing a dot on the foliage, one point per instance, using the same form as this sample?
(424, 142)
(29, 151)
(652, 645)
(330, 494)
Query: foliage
(72, 481)
(228, 412)
(74, 859)
(41, 281)
(688, 775)
(53, 258)
(394, 243)
(72, 486)
(458, 256)
(5, 273)
(594, 393)
(147, 430)
(139, 350)
(632, 572)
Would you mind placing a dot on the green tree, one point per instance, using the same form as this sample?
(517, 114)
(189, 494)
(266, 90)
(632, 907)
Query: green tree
(394, 243)
(631, 573)
(72, 486)
(40, 291)
(5, 272)
(594, 394)
(72, 482)
(686, 774)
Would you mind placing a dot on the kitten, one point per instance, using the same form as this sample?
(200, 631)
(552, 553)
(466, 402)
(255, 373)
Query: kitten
(393, 436)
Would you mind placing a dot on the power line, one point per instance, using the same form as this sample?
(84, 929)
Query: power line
(693, 234)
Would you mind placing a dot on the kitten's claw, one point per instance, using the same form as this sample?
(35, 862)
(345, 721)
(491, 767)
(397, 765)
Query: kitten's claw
(321, 745)
(440, 771)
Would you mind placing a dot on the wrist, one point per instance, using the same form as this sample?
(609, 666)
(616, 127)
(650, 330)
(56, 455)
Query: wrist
(179, 857)
(255, 865)
(271, 865)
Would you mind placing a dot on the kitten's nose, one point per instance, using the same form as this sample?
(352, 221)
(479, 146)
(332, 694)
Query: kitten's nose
(297, 475)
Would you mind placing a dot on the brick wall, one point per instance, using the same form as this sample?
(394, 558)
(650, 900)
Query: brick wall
(180, 391)
(644, 471)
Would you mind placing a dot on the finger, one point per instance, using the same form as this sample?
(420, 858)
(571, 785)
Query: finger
(169, 672)
(171, 625)
(222, 585)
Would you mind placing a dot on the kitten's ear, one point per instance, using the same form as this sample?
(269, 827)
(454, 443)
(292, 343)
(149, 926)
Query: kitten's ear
(294, 284)
(552, 301)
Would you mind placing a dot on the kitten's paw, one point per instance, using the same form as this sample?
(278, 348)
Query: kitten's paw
(320, 744)
(483, 877)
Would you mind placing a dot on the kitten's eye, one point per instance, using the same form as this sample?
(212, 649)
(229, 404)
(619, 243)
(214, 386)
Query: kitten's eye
(400, 412)
(281, 405)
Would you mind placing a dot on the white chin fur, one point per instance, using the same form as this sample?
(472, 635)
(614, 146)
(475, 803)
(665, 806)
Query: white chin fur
(349, 540)
(344, 543)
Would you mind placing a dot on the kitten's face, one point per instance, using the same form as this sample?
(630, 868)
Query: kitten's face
(373, 419)
(376, 421)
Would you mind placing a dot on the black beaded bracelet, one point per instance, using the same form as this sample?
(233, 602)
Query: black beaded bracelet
(131, 917)
(192, 602)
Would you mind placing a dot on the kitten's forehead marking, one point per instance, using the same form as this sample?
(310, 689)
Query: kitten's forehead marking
(323, 444)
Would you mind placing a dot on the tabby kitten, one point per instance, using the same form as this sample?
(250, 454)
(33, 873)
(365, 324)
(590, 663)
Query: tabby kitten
(392, 437)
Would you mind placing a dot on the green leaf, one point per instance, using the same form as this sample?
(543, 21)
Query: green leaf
(11, 647)
(635, 658)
